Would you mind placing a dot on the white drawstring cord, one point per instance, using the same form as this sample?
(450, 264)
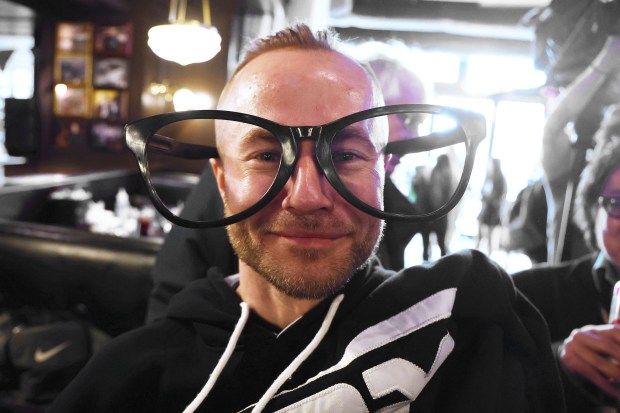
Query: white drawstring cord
(230, 347)
(301, 357)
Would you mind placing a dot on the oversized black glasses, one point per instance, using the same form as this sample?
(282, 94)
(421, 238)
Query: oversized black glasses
(422, 153)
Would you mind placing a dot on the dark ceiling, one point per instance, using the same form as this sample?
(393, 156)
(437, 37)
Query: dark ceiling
(508, 13)
(116, 9)
(352, 18)
(58, 7)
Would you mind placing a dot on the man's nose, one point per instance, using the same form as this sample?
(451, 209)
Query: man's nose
(307, 189)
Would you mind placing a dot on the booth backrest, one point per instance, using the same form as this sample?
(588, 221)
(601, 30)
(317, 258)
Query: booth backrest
(102, 277)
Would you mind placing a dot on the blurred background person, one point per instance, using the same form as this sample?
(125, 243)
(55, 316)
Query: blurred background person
(400, 85)
(575, 296)
(439, 189)
(493, 197)
(187, 253)
(610, 125)
(573, 117)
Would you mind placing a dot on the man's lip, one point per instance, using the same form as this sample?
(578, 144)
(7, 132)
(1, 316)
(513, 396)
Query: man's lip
(293, 233)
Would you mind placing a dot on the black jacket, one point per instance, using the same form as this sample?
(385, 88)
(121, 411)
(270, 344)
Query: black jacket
(450, 337)
(570, 295)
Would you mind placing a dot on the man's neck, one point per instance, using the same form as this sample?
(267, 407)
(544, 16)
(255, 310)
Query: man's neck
(268, 302)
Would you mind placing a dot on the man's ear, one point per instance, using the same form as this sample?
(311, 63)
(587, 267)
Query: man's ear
(218, 171)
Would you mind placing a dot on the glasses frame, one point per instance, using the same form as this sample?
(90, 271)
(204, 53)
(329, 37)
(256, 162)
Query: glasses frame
(140, 133)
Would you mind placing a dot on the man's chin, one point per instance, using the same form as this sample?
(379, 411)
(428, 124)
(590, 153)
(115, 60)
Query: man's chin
(305, 273)
(313, 284)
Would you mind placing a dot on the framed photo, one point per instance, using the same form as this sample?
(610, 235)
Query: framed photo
(71, 133)
(74, 37)
(73, 69)
(113, 40)
(111, 72)
(108, 136)
(110, 104)
(72, 101)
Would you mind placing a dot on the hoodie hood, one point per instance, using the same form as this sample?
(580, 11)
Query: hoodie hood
(212, 306)
(209, 305)
(209, 301)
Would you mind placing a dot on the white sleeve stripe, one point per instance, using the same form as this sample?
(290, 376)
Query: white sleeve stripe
(433, 308)
(402, 375)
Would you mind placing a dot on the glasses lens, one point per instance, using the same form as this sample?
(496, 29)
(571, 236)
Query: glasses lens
(423, 160)
(251, 156)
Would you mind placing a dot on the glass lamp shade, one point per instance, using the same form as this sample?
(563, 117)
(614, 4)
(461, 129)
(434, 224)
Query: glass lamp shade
(184, 43)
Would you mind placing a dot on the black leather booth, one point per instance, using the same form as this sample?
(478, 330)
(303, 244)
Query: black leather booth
(46, 263)
(49, 264)
(104, 278)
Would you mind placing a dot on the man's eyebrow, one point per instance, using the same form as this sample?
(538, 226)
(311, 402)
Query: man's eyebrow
(256, 134)
(354, 131)
(357, 132)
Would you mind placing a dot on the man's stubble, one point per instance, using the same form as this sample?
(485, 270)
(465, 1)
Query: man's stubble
(298, 279)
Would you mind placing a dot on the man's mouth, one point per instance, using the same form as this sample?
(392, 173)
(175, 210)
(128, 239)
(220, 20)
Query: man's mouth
(310, 238)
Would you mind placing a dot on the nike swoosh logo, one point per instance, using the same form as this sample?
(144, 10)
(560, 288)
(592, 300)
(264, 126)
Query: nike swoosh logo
(41, 356)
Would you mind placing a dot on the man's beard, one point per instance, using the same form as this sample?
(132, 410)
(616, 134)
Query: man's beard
(298, 278)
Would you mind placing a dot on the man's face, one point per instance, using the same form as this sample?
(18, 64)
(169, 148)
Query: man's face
(308, 241)
(608, 225)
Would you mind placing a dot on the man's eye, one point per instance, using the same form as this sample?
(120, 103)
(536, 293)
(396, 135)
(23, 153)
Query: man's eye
(270, 157)
(345, 157)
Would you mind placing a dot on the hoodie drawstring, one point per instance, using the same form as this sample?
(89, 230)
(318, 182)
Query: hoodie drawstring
(301, 357)
(283, 377)
(230, 347)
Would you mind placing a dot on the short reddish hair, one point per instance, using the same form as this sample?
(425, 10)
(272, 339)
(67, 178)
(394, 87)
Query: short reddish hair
(298, 36)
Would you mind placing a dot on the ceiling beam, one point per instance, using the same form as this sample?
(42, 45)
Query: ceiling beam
(460, 19)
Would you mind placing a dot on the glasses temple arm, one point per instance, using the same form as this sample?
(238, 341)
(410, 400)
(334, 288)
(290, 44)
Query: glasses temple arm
(183, 150)
(425, 143)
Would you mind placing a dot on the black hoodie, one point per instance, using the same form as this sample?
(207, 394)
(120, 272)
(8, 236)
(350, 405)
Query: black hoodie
(454, 336)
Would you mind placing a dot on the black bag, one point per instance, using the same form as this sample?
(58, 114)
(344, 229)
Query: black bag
(37, 361)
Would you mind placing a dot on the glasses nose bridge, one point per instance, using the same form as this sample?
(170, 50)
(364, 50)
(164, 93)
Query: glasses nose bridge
(306, 132)
(313, 133)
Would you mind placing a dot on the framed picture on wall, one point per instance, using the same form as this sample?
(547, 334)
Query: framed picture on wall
(108, 136)
(71, 133)
(110, 104)
(111, 72)
(72, 101)
(113, 40)
(74, 37)
(73, 69)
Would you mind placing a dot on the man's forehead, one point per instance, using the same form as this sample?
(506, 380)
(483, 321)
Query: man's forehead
(328, 63)
(298, 76)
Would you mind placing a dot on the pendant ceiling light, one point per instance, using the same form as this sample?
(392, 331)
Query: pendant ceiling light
(182, 41)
